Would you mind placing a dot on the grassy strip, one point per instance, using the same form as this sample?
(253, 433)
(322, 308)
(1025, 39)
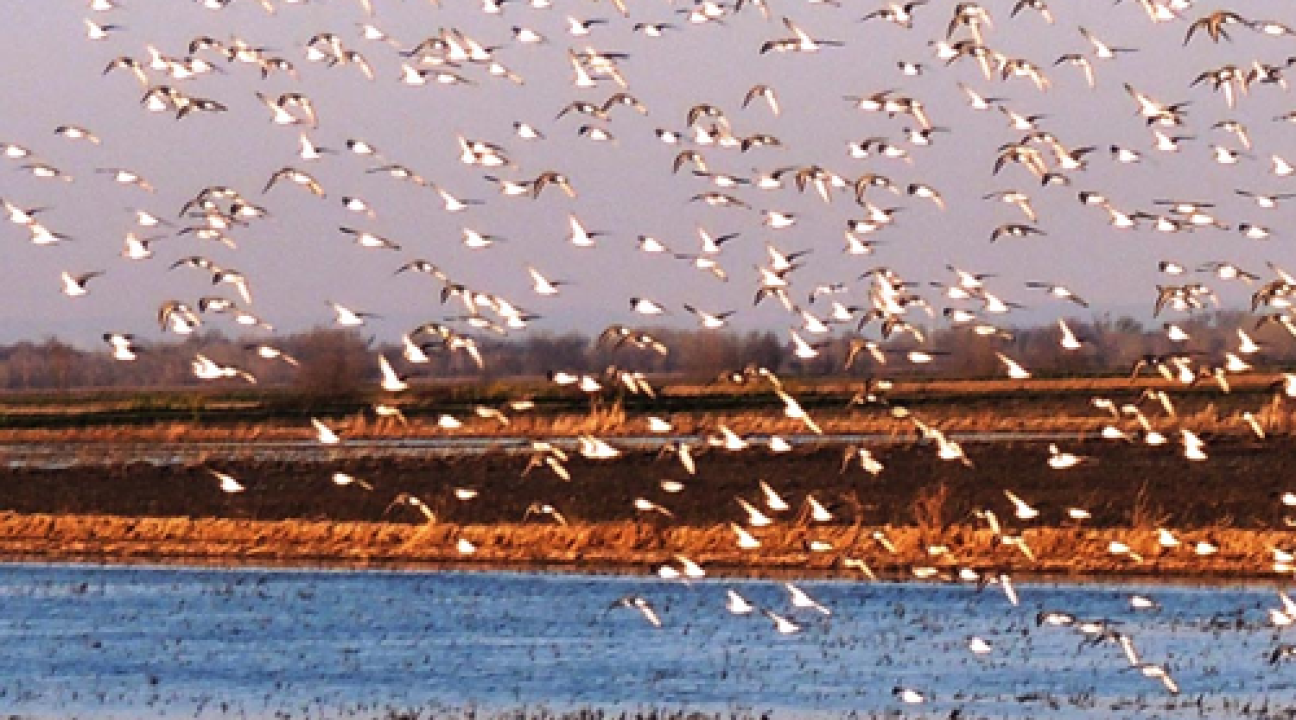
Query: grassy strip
(1057, 550)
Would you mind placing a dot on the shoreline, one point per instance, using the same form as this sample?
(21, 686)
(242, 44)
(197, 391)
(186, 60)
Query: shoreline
(1062, 554)
(645, 509)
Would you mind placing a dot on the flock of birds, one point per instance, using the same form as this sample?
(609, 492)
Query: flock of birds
(162, 640)
(951, 138)
(871, 190)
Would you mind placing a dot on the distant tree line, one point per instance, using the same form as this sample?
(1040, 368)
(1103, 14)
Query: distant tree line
(337, 361)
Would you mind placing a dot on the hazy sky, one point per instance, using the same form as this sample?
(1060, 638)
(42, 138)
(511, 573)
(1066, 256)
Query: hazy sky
(297, 259)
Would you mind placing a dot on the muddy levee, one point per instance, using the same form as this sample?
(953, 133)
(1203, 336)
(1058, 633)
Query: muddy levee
(920, 515)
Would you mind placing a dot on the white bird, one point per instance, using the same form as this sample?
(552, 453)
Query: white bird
(737, 604)
(474, 240)
(684, 452)
(1059, 460)
(136, 248)
(755, 517)
(1069, 341)
(818, 512)
(123, 346)
(773, 500)
(642, 605)
(1116, 547)
(324, 435)
(707, 320)
(1167, 539)
(1159, 672)
(801, 599)
(204, 368)
(691, 568)
(645, 505)
(1246, 345)
(227, 482)
(342, 479)
(1194, 447)
(75, 285)
(1021, 509)
(802, 348)
(908, 695)
(1015, 370)
(746, 540)
(596, 448)
(1006, 584)
(347, 317)
(671, 486)
(1143, 602)
(778, 444)
(391, 382)
(783, 625)
(580, 237)
(542, 285)
(644, 306)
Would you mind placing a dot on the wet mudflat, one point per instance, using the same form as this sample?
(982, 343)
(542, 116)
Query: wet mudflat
(1121, 484)
(514, 512)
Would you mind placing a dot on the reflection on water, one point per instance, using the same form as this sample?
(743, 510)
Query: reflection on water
(132, 642)
(62, 456)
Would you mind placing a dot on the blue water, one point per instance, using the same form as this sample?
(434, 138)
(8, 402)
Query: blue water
(168, 642)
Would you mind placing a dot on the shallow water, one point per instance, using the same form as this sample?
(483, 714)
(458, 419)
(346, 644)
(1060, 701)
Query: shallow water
(63, 456)
(143, 641)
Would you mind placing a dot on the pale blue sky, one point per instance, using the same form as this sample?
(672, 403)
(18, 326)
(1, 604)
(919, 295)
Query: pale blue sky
(297, 259)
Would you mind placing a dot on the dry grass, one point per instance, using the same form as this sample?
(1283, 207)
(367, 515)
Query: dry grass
(1147, 515)
(929, 508)
(1073, 551)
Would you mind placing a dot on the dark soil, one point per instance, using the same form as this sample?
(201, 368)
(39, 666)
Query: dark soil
(1121, 484)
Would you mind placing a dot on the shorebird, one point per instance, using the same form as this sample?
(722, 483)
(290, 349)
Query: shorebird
(283, 109)
(909, 696)
(391, 382)
(755, 517)
(1059, 460)
(1021, 508)
(297, 177)
(75, 285)
(122, 344)
(342, 479)
(707, 320)
(783, 625)
(542, 285)
(1194, 447)
(204, 368)
(1214, 25)
(324, 435)
(228, 484)
(637, 602)
(1161, 673)
(644, 306)
(347, 317)
(801, 599)
(1013, 368)
(746, 541)
(737, 604)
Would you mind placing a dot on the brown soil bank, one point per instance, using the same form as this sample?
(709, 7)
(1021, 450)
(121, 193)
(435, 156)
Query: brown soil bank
(295, 510)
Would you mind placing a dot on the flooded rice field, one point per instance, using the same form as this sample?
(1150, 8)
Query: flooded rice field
(136, 642)
(81, 455)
